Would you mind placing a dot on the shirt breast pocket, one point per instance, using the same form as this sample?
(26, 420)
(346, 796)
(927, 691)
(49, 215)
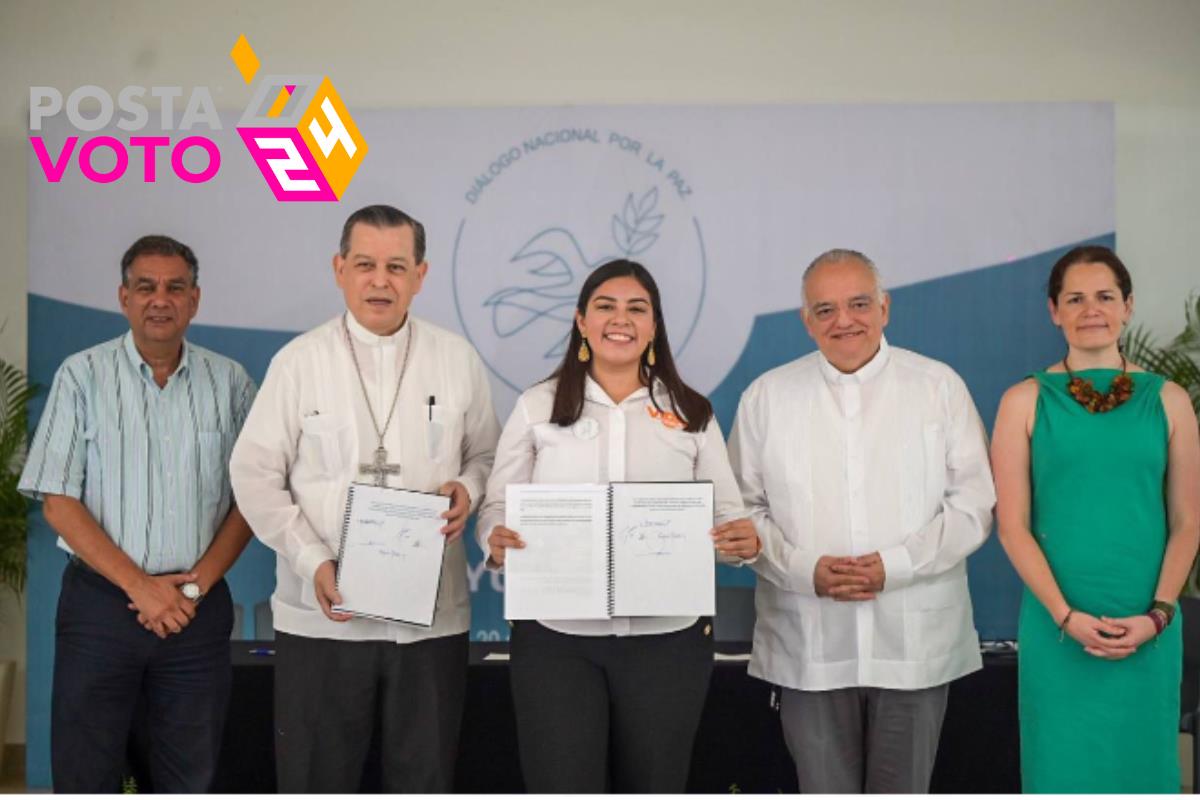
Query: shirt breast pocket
(683, 447)
(324, 443)
(934, 447)
(787, 479)
(567, 454)
(89, 471)
(443, 434)
(214, 469)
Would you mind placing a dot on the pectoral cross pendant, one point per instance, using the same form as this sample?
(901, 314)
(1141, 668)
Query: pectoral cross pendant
(379, 467)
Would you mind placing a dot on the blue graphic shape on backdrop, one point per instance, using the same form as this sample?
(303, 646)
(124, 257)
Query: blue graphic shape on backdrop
(989, 324)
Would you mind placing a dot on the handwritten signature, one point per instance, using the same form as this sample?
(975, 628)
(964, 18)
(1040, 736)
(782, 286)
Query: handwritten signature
(651, 537)
(394, 546)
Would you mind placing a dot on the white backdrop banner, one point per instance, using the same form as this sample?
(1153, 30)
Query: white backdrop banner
(963, 207)
(724, 205)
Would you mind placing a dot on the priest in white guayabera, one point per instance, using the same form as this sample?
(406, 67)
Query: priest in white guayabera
(372, 396)
(865, 470)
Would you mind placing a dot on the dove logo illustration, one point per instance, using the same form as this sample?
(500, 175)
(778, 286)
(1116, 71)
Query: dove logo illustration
(526, 244)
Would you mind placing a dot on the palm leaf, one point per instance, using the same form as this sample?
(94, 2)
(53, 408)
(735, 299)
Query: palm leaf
(1138, 345)
(1172, 361)
(15, 394)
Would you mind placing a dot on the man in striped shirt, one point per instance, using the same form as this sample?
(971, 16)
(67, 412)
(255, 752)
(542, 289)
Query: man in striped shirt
(130, 460)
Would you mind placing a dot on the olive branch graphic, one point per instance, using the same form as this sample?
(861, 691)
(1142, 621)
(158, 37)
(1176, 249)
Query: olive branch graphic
(635, 229)
(555, 267)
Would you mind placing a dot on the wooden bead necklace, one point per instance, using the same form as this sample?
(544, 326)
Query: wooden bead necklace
(1086, 395)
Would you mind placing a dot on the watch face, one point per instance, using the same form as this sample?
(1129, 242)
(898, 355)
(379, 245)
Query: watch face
(191, 591)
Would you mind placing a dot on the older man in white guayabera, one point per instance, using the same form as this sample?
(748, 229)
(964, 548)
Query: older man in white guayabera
(377, 396)
(129, 462)
(865, 470)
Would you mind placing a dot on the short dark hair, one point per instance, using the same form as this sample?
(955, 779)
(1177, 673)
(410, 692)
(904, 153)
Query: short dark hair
(694, 408)
(1088, 254)
(159, 245)
(380, 216)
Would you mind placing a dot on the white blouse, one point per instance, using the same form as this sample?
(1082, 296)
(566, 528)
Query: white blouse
(626, 441)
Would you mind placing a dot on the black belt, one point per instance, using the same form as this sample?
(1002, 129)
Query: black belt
(76, 561)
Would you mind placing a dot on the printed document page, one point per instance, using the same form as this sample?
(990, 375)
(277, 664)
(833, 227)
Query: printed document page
(390, 560)
(663, 555)
(562, 572)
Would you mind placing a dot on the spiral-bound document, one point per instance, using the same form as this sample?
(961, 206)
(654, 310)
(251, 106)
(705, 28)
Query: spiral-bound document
(390, 556)
(595, 551)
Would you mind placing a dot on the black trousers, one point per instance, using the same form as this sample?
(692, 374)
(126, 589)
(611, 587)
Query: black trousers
(107, 666)
(606, 713)
(331, 695)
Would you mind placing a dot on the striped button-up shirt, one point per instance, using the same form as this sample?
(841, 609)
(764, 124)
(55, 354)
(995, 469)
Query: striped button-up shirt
(151, 464)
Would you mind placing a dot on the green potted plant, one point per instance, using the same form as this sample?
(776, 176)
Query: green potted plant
(1179, 360)
(15, 394)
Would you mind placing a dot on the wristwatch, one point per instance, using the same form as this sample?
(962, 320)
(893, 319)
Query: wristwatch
(191, 591)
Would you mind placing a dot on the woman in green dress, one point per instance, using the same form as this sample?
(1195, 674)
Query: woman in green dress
(1097, 468)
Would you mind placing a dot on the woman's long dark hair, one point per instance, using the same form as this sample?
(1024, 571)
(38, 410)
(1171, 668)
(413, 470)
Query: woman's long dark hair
(692, 408)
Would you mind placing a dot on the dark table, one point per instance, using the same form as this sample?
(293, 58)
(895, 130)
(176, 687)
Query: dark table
(739, 746)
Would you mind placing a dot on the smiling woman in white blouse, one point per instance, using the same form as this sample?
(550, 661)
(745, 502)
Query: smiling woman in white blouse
(617, 697)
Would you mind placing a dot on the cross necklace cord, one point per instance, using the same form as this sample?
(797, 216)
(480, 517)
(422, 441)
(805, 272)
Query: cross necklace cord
(379, 467)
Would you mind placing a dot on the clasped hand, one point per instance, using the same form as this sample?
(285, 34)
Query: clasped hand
(849, 578)
(1108, 637)
(160, 605)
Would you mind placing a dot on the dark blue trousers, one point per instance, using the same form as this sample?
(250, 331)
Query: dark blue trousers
(110, 674)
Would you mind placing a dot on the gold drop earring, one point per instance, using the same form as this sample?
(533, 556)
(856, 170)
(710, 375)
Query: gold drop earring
(585, 353)
(650, 359)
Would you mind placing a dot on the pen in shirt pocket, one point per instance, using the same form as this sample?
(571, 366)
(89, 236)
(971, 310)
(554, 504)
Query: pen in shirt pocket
(432, 402)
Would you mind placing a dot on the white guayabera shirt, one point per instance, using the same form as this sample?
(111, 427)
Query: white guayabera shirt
(309, 431)
(610, 442)
(892, 458)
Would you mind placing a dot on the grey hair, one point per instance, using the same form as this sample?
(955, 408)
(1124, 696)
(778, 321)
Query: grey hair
(839, 255)
(159, 245)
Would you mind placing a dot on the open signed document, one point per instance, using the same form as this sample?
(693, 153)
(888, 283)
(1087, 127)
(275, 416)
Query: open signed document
(390, 557)
(594, 551)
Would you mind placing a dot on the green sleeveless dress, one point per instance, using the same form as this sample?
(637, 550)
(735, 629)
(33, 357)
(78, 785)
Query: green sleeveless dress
(1098, 511)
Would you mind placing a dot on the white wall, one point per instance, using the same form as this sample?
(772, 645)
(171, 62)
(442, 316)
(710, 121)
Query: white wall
(1143, 55)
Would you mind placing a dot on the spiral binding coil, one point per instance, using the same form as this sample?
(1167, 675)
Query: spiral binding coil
(612, 587)
(337, 581)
